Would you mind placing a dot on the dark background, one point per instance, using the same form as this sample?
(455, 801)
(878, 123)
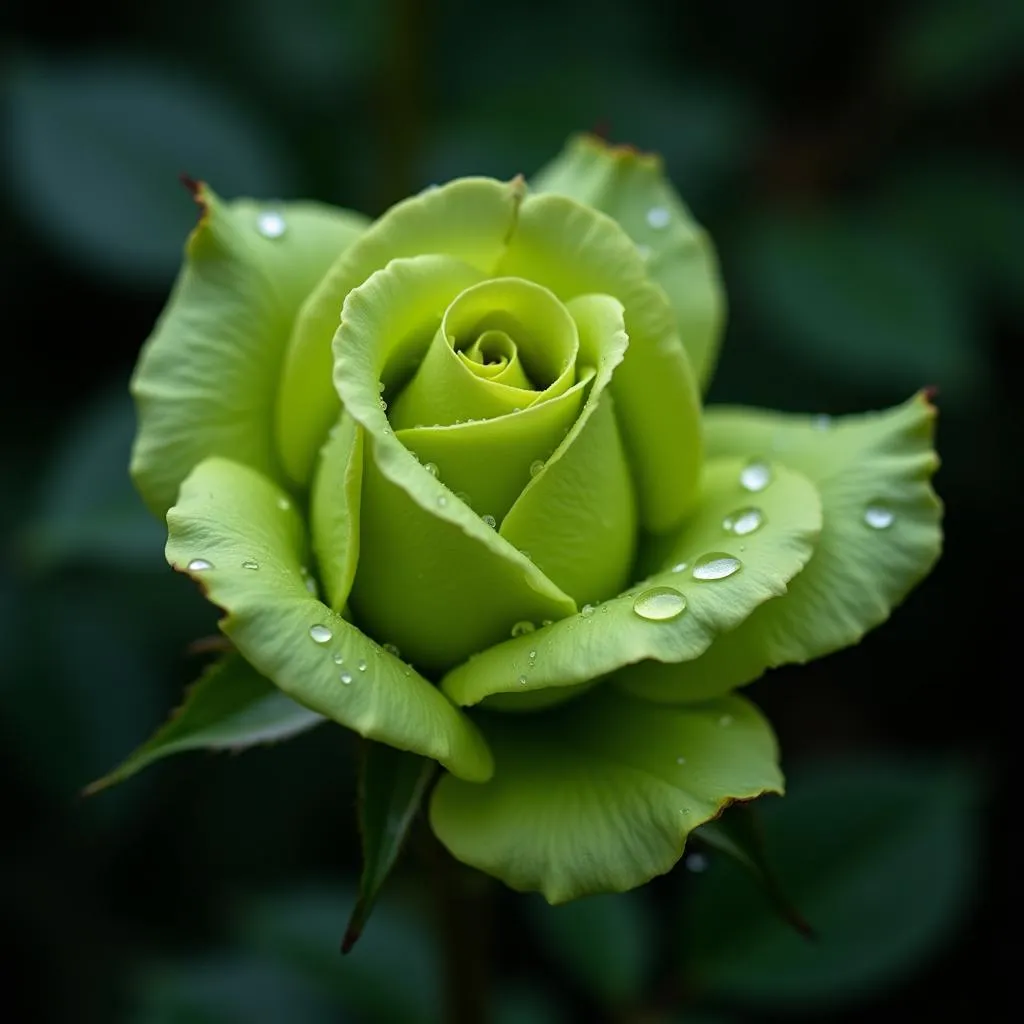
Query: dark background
(859, 169)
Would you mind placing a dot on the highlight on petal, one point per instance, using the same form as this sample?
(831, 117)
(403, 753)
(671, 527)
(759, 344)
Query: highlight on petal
(709, 578)
(469, 220)
(236, 534)
(433, 577)
(600, 795)
(574, 250)
(207, 379)
(631, 187)
(881, 535)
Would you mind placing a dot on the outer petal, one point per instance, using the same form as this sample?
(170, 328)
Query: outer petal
(600, 795)
(859, 572)
(631, 187)
(207, 380)
(584, 647)
(233, 532)
(469, 219)
(574, 250)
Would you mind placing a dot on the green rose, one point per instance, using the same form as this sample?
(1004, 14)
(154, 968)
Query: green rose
(449, 478)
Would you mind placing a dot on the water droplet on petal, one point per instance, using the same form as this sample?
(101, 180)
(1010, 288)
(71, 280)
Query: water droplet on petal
(382, 403)
(716, 565)
(441, 501)
(361, 665)
(536, 466)
(658, 217)
(270, 224)
(546, 622)
(587, 610)
(283, 504)
(431, 468)
(346, 678)
(392, 649)
(744, 521)
(755, 476)
(533, 656)
(339, 659)
(522, 680)
(680, 566)
(490, 521)
(879, 517)
(522, 628)
(659, 604)
(463, 497)
(696, 862)
(320, 634)
(380, 386)
(199, 565)
(725, 720)
(250, 564)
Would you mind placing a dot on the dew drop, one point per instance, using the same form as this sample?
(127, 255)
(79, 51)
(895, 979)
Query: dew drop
(490, 521)
(270, 224)
(380, 387)
(533, 656)
(716, 565)
(680, 566)
(755, 476)
(250, 564)
(522, 628)
(536, 466)
(283, 504)
(546, 622)
(522, 680)
(879, 517)
(659, 604)
(339, 659)
(361, 665)
(393, 650)
(431, 468)
(463, 497)
(744, 521)
(346, 678)
(587, 610)
(441, 501)
(199, 565)
(696, 862)
(382, 403)
(658, 217)
(320, 634)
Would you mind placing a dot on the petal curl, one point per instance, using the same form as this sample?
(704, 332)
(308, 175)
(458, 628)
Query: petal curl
(235, 533)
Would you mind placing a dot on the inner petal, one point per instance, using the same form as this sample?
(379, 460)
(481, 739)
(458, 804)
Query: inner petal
(503, 345)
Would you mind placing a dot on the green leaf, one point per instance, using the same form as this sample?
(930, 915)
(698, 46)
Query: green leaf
(874, 465)
(596, 642)
(606, 943)
(881, 857)
(238, 536)
(574, 251)
(88, 510)
(631, 187)
(467, 220)
(97, 144)
(299, 928)
(599, 795)
(852, 296)
(392, 785)
(207, 380)
(739, 835)
(426, 556)
(231, 707)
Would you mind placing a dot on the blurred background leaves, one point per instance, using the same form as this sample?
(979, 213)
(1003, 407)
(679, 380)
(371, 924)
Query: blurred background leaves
(860, 171)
